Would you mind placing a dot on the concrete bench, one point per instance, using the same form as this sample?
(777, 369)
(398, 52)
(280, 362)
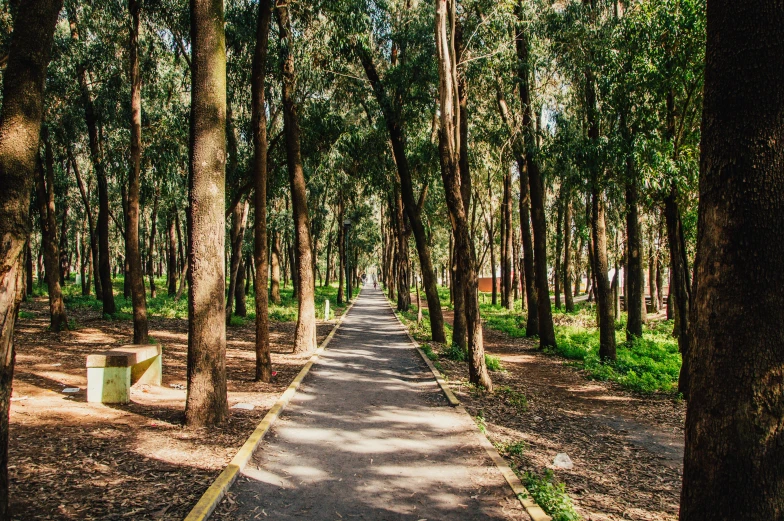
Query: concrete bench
(110, 374)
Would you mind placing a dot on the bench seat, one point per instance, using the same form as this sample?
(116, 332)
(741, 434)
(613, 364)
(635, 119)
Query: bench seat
(111, 374)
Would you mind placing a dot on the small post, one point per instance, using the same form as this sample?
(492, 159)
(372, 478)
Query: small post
(326, 310)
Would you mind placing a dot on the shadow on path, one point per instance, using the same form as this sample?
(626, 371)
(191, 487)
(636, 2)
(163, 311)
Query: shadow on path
(370, 436)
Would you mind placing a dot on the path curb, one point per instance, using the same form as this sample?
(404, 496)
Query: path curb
(215, 493)
(531, 507)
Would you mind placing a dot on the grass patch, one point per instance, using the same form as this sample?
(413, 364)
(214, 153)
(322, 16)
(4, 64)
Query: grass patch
(551, 496)
(26, 314)
(648, 364)
(164, 305)
(493, 363)
(480, 422)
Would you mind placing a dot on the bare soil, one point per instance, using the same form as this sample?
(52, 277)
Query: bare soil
(73, 460)
(627, 448)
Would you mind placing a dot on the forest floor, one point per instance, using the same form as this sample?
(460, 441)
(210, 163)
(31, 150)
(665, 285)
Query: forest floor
(74, 460)
(626, 447)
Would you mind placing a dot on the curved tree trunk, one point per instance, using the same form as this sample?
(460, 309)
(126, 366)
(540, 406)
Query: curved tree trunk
(206, 403)
(305, 336)
(456, 186)
(20, 125)
(734, 436)
(102, 228)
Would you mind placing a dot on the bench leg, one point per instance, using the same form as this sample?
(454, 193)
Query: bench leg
(149, 372)
(108, 384)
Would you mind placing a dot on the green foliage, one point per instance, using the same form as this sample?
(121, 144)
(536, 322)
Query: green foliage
(455, 352)
(493, 363)
(502, 319)
(516, 448)
(551, 496)
(649, 364)
(26, 314)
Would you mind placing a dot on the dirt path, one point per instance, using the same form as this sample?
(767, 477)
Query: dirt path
(627, 449)
(369, 435)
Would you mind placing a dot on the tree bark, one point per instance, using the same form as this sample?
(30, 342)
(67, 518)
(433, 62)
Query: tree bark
(132, 253)
(456, 185)
(567, 254)
(171, 253)
(734, 439)
(341, 252)
(260, 153)
(20, 125)
(635, 297)
(151, 249)
(206, 402)
(531, 297)
(507, 301)
(239, 221)
(557, 274)
(305, 335)
(274, 269)
(536, 190)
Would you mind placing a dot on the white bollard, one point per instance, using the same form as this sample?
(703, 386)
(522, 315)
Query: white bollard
(326, 310)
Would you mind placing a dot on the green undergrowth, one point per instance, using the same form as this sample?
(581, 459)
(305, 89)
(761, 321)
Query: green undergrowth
(165, 306)
(550, 495)
(648, 364)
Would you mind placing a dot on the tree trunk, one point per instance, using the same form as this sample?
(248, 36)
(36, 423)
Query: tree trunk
(240, 307)
(601, 277)
(734, 439)
(260, 152)
(132, 253)
(151, 249)
(239, 220)
(531, 297)
(171, 254)
(493, 276)
(567, 254)
(635, 297)
(403, 262)
(20, 125)
(102, 228)
(274, 269)
(411, 207)
(508, 243)
(341, 253)
(457, 184)
(558, 249)
(305, 336)
(536, 193)
(65, 268)
(680, 284)
(206, 402)
(45, 189)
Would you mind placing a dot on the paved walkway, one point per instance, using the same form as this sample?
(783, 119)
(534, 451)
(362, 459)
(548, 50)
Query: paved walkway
(369, 435)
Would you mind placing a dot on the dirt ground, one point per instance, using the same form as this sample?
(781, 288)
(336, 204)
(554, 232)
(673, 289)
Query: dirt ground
(73, 460)
(627, 449)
